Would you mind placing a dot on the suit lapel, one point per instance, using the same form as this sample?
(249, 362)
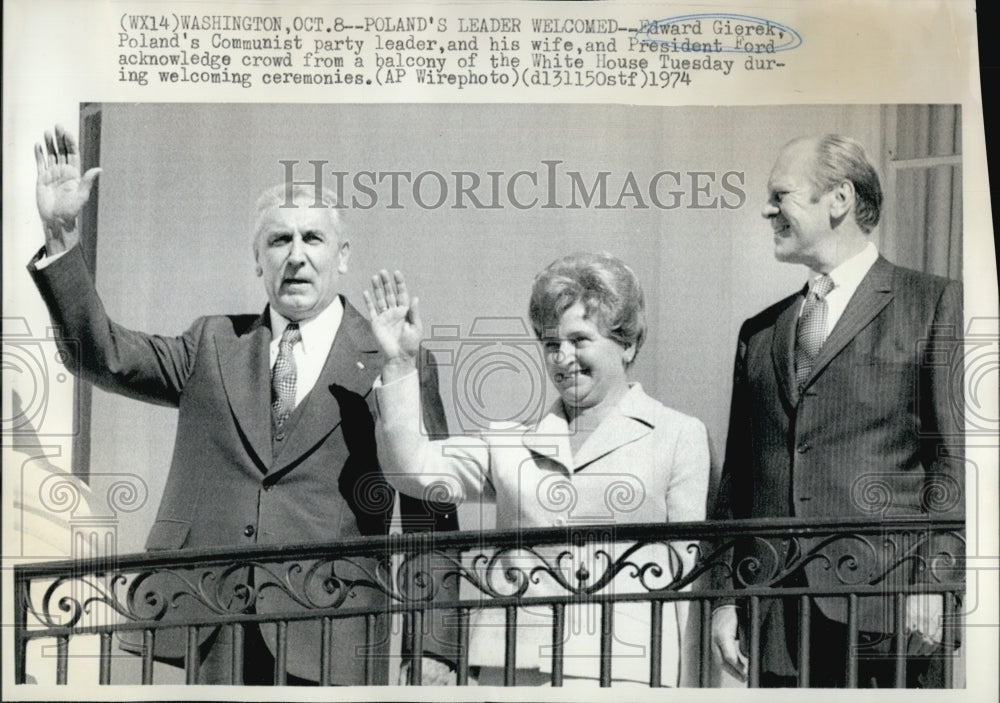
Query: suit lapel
(613, 433)
(873, 294)
(246, 371)
(550, 438)
(782, 348)
(631, 420)
(353, 364)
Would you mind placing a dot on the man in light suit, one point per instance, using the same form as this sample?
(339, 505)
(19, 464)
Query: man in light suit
(833, 393)
(275, 440)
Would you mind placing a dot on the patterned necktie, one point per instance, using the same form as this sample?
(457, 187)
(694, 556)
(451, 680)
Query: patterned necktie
(811, 331)
(283, 376)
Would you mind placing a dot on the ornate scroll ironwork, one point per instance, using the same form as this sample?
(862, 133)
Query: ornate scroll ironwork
(557, 565)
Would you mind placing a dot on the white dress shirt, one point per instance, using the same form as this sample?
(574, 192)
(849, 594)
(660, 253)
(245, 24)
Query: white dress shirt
(310, 352)
(846, 279)
(47, 259)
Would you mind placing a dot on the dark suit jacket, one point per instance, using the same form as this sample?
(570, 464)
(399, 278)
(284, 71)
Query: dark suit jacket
(876, 431)
(230, 484)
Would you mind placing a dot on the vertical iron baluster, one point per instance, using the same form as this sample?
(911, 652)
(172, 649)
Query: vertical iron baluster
(607, 631)
(462, 678)
(191, 661)
(948, 639)
(417, 668)
(408, 640)
(238, 635)
(558, 627)
(62, 659)
(370, 635)
(510, 653)
(281, 654)
(754, 674)
(104, 676)
(900, 641)
(20, 626)
(148, 641)
(655, 643)
(326, 648)
(705, 645)
(805, 623)
(852, 641)
(408, 643)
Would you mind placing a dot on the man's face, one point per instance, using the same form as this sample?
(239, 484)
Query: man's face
(300, 256)
(801, 222)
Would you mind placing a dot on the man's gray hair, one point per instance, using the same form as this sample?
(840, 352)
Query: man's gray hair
(290, 195)
(839, 159)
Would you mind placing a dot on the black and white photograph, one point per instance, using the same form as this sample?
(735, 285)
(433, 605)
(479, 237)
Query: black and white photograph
(477, 397)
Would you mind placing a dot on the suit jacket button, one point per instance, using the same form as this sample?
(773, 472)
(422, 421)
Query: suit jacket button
(249, 530)
(268, 486)
(280, 436)
(803, 448)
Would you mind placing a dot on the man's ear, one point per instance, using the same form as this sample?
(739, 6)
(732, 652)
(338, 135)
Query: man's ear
(843, 200)
(256, 258)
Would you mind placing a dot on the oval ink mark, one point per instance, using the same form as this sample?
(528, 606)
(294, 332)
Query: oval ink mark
(720, 32)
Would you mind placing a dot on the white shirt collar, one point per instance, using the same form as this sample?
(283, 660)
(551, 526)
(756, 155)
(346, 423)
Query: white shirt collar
(317, 332)
(849, 274)
(846, 279)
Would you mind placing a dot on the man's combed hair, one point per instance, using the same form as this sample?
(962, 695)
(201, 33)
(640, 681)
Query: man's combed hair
(840, 159)
(298, 195)
(608, 289)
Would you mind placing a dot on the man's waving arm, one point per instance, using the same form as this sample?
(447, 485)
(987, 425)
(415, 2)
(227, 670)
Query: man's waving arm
(147, 367)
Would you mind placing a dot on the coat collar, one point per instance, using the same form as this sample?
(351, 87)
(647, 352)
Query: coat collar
(872, 295)
(783, 347)
(352, 364)
(633, 418)
(244, 365)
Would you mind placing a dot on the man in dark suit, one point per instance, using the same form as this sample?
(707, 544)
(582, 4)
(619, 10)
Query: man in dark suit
(275, 440)
(833, 397)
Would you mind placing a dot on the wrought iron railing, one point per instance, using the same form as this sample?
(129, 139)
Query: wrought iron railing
(505, 571)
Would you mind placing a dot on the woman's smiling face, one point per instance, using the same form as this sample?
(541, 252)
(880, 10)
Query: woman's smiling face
(587, 367)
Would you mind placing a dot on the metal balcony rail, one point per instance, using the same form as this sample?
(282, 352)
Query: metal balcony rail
(552, 568)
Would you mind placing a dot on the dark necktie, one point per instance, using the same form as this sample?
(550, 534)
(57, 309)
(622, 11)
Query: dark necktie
(283, 376)
(811, 331)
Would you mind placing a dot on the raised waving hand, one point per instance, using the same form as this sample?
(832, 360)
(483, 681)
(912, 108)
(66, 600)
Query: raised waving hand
(395, 322)
(60, 191)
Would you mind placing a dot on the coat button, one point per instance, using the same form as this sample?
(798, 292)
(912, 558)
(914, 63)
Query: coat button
(803, 448)
(268, 486)
(249, 530)
(279, 437)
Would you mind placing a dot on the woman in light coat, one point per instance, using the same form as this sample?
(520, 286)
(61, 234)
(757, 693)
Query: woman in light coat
(604, 454)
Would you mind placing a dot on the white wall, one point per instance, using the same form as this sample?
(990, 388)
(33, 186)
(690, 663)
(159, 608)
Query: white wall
(180, 181)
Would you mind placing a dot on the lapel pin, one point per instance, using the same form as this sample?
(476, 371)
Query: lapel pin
(361, 366)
